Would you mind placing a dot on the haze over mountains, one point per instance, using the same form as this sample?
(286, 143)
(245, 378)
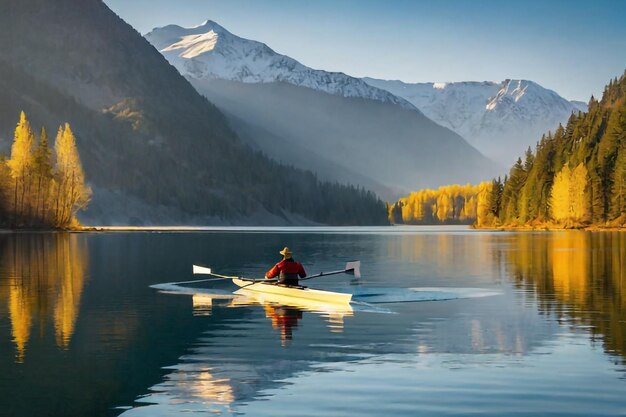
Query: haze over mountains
(501, 119)
(154, 150)
(332, 123)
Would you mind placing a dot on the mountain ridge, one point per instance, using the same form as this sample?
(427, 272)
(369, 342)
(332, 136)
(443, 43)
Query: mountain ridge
(211, 51)
(501, 119)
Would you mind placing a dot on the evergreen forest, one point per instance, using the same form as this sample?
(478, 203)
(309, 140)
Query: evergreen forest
(575, 177)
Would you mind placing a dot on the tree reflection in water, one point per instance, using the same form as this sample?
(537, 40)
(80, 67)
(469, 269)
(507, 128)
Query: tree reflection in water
(578, 276)
(46, 276)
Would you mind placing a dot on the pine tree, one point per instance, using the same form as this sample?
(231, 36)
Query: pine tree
(511, 193)
(495, 197)
(618, 198)
(42, 167)
(5, 192)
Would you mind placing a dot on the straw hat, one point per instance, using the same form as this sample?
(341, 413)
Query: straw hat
(286, 252)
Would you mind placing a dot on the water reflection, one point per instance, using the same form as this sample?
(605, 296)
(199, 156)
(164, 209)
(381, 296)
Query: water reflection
(492, 354)
(286, 312)
(284, 319)
(45, 280)
(579, 277)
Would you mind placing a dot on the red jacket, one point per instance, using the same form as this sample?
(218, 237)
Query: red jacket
(286, 266)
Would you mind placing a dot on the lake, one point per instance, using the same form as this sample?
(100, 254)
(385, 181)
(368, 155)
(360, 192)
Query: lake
(445, 321)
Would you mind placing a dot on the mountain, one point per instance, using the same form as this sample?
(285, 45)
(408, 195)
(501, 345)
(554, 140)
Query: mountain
(209, 51)
(154, 149)
(499, 119)
(331, 123)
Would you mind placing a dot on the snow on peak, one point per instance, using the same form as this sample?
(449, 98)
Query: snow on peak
(210, 24)
(192, 46)
(509, 90)
(439, 86)
(209, 51)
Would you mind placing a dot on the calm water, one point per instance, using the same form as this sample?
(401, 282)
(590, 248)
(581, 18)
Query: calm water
(524, 324)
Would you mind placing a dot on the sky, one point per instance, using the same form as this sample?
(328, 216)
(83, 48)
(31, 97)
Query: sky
(573, 47)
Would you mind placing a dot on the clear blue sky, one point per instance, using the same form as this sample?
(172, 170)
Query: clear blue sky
(573, 47)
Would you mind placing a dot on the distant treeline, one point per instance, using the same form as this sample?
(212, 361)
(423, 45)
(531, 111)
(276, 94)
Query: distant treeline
(576, 177)
(40, 188)
(450, 204)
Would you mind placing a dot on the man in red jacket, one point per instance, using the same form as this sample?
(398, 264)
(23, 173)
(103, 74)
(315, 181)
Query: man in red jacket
(287, 270)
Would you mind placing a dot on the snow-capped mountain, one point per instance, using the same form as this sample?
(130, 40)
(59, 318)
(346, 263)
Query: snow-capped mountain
(500, 119)
(209, 51)
(337, 126)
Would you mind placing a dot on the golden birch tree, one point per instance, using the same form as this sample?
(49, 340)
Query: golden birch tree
(72, 192)
(579, 200)
(560, 196)
(20, 165)
(483, 202)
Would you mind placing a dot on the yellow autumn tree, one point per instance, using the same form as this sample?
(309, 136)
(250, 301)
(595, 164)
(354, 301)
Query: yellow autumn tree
(448, 204)
(560, 196)
(72, 194)
(483, 203)
(579, 200)
(20, 165)
(569, 199)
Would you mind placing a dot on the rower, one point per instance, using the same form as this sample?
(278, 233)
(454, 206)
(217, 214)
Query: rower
(288, 270)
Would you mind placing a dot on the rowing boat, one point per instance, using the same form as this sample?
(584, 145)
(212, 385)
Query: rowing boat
(297, 292)
(271, 286)
(254, 297)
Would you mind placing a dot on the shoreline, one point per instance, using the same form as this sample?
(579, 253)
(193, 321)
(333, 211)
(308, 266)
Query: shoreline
(321, 229)
(545, 228)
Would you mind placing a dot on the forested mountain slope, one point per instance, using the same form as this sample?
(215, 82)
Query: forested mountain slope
(150, 143)
(577, 174)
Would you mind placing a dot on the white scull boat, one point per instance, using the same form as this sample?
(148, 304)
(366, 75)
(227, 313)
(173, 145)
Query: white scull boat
(272, 287)
(297, 292)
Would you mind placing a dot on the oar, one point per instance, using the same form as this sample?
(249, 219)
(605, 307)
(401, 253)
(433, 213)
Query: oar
(260, 280)
(352, 268)
(197, 269)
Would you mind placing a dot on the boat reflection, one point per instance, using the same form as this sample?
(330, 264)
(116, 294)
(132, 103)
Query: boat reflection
(284, 319)
(285, 312)
(45, 279)
(202, 304)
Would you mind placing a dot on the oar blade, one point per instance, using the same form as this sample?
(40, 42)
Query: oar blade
(201, 270)
(354, 268)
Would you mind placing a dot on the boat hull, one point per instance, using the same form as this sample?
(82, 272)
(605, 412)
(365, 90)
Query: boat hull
(296, 292)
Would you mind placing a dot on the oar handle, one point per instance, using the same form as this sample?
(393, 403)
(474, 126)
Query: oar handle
(256, 281)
